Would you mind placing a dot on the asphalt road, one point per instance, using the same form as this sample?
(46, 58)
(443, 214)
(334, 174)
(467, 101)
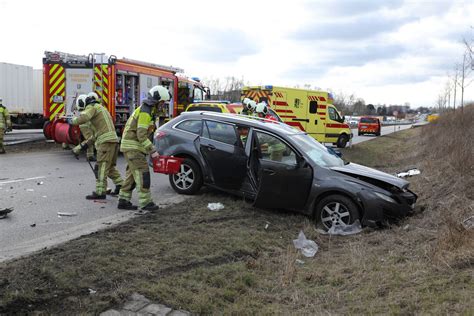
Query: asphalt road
(40, 184)
(385, 131)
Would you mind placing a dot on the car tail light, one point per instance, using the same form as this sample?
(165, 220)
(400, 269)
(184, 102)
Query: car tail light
(160, 135)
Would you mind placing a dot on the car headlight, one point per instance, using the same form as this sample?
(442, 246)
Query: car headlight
(385, 197)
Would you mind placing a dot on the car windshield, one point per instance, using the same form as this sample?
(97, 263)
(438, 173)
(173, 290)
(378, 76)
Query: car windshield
(317, 152)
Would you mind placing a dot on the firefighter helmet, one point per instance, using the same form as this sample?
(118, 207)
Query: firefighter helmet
(252, 105)
(81, 102)
(159, 93)
(245, 101)
(92, 97)
(261, 108)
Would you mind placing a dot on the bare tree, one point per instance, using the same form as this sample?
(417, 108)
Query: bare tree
(229, 88)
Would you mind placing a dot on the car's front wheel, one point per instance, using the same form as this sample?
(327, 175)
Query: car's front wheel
(189, 178)
(336, 210)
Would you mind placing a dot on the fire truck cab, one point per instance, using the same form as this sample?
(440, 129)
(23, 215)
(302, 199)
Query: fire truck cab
(122, 85)
(311, 111)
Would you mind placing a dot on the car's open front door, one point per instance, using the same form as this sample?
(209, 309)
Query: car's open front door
(282, 178)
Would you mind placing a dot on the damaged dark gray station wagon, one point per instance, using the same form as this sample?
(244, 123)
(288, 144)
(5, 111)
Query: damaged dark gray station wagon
(276, 166)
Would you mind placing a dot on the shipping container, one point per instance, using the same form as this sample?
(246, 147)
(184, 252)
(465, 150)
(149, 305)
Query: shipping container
(21, 89)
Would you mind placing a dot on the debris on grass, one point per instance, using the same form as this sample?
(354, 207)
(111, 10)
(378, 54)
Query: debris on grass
(299, 261)
(40, 183)
(215, 206)
(91, 291)
(468, 223)
(308, 247)
(33, 225)
(409, 173)
(343, 230)
(30, 190)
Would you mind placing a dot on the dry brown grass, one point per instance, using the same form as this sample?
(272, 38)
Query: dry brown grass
(448, 147)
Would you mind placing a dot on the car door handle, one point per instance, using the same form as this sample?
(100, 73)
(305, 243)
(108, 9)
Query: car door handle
(270, 172)
(210, 147)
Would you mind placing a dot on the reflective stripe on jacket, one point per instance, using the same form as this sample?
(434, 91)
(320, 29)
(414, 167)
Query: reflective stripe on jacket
(101, 121)
(136, 133)
(4, 117)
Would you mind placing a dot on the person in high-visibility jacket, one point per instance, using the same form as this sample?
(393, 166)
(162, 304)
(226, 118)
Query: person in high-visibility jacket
(135, 146)
(87, 130)
(5, 124)
(106, 144)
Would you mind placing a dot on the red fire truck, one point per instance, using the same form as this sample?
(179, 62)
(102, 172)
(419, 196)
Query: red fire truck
(122, 84)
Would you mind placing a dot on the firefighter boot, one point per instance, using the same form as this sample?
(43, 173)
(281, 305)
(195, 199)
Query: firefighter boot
(95, 196)
(126, 205)
(150, 207)
(116, 191)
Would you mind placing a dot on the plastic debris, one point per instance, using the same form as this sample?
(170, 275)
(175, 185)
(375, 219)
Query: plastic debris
(4, 212)
(266, 226)
(308, 247)
(91, 291)
(468, 223)
(40, 183)
(30, 190)
(343, 230)
(215, 206)
(408, 173)
(60, 214)
(299, 261)
(33, 225)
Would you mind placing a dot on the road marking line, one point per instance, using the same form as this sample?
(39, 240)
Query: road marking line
(21, 180)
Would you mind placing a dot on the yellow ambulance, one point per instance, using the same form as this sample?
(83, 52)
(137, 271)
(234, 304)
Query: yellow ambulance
(308, 110)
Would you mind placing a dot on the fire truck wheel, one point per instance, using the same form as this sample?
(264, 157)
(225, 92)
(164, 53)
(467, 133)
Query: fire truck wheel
(342, 141)
(189, 178)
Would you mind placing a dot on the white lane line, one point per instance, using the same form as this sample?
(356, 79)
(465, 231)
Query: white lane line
(21, 180)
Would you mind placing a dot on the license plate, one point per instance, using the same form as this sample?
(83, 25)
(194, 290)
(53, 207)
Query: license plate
(363, 126)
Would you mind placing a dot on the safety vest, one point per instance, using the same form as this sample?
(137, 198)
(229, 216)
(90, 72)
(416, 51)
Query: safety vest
(137, 131)
(101, 121)
(4, 117)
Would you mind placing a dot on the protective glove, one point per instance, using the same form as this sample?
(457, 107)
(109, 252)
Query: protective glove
(84, 146)
(155, 155)
(76, 151)
(69, 120)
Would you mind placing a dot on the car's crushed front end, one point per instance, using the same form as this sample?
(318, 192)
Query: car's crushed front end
(382, 197)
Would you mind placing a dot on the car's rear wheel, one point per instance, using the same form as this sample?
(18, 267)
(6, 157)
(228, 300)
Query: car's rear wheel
(189, 178)
(377, 134)
(342, 141)
(336, 210)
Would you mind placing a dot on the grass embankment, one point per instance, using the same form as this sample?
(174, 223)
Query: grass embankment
(227, 262)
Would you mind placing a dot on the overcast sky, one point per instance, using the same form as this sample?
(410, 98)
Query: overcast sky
(388, 52)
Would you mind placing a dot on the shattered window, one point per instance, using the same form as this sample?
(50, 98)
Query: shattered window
(274, 149)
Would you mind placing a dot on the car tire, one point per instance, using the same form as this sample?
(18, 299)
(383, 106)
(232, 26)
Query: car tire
(347, 211)
(342, 141)
(377, 134)
(359, 133)
(189, 180)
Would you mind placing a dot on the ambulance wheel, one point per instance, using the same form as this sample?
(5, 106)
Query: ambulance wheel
(189, 178)
(342, 141)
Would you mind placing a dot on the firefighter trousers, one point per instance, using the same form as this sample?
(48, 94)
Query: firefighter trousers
(2, 149)
(137, 175)
(107, 167)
